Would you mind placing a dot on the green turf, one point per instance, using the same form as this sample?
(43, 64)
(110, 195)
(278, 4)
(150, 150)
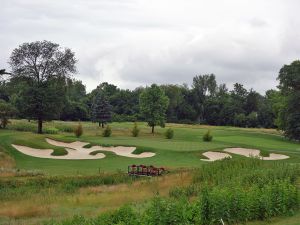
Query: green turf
(184, 150)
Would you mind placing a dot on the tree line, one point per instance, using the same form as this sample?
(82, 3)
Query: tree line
(40, 86)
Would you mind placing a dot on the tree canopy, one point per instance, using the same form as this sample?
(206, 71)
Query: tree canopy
(289, 85)
(43, 67)
(101, 109)
(153, 106)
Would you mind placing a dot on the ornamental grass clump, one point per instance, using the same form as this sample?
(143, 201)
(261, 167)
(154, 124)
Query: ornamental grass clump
(107, 132)
(169, 133)
(207, 136)
(135, 130)
(78, 131)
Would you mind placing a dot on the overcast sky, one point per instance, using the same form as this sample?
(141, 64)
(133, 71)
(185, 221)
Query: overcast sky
(138, 42)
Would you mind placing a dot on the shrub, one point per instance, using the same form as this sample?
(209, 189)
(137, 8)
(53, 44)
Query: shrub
(135, 130)
(64, 127)
(50, 130)
(78, 131)
(239, 204)
(123, 216)
(164, 211)
(107, 132)
(169, 133)
(4, 122)
(251, 120)
(240, 120)
(207, 136)
(6, 111)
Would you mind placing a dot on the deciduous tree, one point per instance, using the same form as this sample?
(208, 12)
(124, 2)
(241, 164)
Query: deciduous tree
(153, 106)
(44, 66)
(289, 85)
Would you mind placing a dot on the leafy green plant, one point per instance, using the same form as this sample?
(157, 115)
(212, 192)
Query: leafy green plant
(78, 131)
(107, 132)
(135, 130)
(6, 111)
(207, 136)
(169, 134)
(64, 127)
(50, 130)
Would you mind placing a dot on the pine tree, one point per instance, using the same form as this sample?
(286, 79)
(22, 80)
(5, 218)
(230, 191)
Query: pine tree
(101, 109)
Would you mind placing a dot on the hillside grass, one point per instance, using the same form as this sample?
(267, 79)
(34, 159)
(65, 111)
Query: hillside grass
(35, 190)
(184, 150)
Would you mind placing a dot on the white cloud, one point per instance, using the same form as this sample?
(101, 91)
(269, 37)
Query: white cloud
(138, 42)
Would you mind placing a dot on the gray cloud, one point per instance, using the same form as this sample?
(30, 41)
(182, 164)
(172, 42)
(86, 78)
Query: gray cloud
(138, 42)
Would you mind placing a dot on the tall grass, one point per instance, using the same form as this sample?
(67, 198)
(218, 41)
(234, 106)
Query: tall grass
(23, 125)
(48, 127)
(16, 188)
(235, 191)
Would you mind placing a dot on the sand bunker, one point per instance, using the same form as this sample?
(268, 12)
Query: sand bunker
(214, 156)
(119, 150)
(76, 150)
(46, 153)
(255, 153)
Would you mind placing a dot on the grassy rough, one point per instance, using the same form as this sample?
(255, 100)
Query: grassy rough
(235, 198)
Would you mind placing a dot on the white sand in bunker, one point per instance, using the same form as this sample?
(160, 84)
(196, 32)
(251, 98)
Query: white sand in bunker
(255, 153)
(214, 156)
(46, 153)
(76, 150)
(118, 150)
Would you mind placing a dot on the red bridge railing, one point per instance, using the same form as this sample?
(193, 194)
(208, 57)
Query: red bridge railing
(143, 170)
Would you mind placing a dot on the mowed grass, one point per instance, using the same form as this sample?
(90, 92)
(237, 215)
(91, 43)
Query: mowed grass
(184, 150)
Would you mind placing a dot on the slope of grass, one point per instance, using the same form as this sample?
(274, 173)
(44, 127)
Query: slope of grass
(30, 205)
(183, 151)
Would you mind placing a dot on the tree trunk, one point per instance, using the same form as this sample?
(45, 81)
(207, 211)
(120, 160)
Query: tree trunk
(99, 124)
(152, 129)
(40, 126)
(102, 124)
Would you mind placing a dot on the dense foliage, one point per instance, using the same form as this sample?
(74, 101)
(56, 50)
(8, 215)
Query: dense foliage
(153, 106)
(289, 78)
(6, 111)
(41, 68)
(101, 109)
(237, 107)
